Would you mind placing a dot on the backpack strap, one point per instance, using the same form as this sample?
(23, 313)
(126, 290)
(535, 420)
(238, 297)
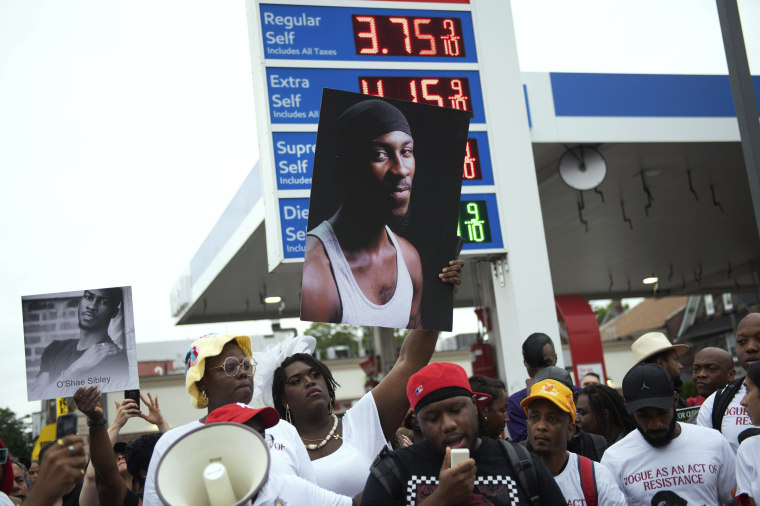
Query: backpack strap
(386, 470)
(588, 480)
(723, 398)
(522, 466)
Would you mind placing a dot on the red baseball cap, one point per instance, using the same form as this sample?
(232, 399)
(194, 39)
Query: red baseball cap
(241, 413)
(438, 381)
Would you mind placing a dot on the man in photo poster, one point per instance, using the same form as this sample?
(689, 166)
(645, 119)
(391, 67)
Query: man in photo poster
(93, 358)
(367, 260)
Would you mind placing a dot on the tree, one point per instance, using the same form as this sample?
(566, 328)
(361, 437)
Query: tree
(605, 312)
(16, 433)
(328, 335)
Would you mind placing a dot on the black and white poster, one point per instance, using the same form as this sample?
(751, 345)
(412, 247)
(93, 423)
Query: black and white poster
(79, 339)
(383, 212)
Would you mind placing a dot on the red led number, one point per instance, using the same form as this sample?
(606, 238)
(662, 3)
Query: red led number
(408, 36)
(371, 34)
(471, 169)
(441, 91)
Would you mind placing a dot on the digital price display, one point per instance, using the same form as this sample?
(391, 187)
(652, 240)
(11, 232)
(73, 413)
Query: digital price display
(478, 222)
(295, 93)
(408, 36)
(453, 93)
(476, 169)
(471, 169)
(473, 223)
(315, 32)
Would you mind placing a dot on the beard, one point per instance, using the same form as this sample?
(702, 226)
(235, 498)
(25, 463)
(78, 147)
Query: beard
(662, 438)
(399, 224)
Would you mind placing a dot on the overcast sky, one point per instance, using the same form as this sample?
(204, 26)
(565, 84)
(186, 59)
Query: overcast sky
(127, 127)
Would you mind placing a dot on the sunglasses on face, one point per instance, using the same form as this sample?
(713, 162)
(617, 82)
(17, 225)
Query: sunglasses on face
(231, 366)
(3, 455)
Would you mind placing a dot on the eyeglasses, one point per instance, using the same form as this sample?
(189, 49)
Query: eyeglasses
(231, 366)
(3, 456)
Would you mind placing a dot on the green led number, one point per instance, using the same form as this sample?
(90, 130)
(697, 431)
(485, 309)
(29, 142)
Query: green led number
(473, 219)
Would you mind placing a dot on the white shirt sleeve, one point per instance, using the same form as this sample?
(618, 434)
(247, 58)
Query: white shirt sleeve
(288, 452)
(290, 489)
(611, 465)
(704, 418)
(727, 472)
(361, 427)
(748, 468)
(150, 495)
(607, 485)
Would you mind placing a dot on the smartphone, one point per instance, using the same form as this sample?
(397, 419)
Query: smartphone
(134, 395)
(459, 455)
(65, 425)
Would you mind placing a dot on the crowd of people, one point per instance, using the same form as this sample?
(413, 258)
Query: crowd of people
(428, 433)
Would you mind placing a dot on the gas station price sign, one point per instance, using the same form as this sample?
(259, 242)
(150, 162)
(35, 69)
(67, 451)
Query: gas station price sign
(295, 94)
(425, 55)
(478, 221)
(408, 35)
(316, 32)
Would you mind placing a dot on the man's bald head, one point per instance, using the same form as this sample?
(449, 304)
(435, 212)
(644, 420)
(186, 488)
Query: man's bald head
(713, 369)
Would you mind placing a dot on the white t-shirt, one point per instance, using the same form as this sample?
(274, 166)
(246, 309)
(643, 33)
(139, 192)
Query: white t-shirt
(288, 455)
(345, 471)
(748, 468)
(569, 481)
(292, 490)
(5, 500)
(697, 466)
(735, 419)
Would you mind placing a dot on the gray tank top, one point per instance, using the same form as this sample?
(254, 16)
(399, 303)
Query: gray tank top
(357, 308)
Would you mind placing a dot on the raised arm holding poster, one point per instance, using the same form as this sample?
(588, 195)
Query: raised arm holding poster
(76, 339)
(383, 212)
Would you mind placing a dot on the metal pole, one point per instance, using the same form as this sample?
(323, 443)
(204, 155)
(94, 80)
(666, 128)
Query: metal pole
(744, 96)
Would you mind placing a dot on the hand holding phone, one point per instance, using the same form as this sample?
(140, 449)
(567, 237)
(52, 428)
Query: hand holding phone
(65, 425)
(134, 395)
(459, 455)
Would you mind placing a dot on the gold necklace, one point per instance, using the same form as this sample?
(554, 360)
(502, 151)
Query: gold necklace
(329, 436)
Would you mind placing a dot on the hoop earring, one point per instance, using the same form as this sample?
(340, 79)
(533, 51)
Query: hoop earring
(330, 407)
(202, 400)
(287, 414)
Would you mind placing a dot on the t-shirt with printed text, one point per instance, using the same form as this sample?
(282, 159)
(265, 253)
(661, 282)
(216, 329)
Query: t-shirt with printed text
(735, 419)
(698, 466)
(569, 481)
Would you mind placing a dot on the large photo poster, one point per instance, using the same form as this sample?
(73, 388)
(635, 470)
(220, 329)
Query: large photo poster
(383, 212)
(79, 339)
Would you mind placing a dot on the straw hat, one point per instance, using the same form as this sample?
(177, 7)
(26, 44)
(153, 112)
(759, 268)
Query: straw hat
(653, 343)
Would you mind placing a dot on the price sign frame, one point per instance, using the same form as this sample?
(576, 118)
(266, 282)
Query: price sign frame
(289, 76)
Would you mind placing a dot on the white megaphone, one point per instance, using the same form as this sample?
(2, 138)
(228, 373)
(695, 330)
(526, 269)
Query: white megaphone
(221, 464)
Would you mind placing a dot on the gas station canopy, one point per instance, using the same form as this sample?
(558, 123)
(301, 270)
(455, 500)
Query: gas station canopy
(638, 176)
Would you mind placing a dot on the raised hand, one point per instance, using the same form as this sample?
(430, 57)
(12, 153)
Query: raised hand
(452, 274)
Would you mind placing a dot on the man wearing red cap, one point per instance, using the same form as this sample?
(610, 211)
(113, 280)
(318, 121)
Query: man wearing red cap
(445, 405)
(279, 488)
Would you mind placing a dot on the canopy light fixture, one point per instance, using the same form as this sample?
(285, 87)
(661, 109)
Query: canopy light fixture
(650, 280)
(274, 299)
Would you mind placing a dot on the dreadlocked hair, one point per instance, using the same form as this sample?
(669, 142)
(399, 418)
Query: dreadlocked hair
(278, 382)
(491, 386)
(601, 397)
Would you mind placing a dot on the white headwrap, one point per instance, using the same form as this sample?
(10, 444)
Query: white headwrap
(269, 360)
